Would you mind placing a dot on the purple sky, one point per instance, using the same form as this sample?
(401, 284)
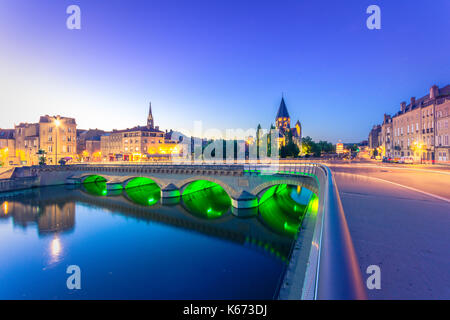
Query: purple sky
(224, 62)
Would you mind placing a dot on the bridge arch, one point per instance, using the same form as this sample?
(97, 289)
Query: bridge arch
(139, 181)
(228, 189)
(91, 178)
(260, 189)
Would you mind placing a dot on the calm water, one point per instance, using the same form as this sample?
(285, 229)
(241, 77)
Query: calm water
(129, 245)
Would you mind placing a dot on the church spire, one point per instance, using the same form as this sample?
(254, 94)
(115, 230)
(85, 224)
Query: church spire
(282, 119)
(150, 123)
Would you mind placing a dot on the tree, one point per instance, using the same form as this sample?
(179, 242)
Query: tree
(258, 142)
(290, 149)
(309, 146)
(42, 158)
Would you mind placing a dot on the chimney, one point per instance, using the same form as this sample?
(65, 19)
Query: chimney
(413, 101)
(434, 92)
(403, 106)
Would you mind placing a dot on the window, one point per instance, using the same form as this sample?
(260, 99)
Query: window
(50, 148)
(49, 138)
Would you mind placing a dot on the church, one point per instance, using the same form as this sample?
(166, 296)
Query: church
(283, 124)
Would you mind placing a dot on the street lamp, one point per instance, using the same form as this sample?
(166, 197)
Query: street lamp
(57, 123)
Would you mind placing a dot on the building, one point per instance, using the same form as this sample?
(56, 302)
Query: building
(54, 135)
(419, 130)
(89, 145)
(442, 116)
(57, 136)
(283, 124)
(26, 137)
(385, 137)
(374, 137)
(138, 143)
(7, 147)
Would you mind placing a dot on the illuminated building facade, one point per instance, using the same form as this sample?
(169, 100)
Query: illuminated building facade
(58, 138)
(419, 129)
(7, 147)
(89, 145)
(53, 134)
(136, 144)
(283, 124)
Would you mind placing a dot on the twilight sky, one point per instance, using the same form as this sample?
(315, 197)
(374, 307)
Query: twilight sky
(223, 62)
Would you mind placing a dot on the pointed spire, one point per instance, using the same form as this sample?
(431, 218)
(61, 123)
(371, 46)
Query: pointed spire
(150, 123)
(282, 110)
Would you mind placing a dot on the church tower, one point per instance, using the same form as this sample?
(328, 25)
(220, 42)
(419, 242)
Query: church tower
(150, 123)
(282, 120)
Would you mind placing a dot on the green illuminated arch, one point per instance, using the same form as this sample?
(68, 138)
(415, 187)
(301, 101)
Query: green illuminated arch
(143, 191)
(206, 199)
(139, 182)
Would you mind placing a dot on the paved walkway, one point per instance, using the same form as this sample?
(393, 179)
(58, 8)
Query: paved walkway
(5, 173)
(403, 231)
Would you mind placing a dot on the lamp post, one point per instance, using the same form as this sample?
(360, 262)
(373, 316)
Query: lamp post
(57, 124)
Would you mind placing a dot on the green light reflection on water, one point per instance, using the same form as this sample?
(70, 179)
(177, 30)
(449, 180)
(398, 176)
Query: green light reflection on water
(206, 199)
(281, 210)
(143, 191)
(95, 185)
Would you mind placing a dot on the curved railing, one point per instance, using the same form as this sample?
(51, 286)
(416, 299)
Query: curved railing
(338, 273)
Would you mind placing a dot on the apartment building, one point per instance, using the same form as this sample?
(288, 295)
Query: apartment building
(412, 131)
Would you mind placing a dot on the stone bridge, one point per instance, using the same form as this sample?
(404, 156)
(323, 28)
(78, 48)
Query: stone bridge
(243, 184)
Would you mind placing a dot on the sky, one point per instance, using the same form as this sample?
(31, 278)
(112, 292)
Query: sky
(223, 62)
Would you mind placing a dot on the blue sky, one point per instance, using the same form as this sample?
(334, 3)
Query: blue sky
(223, 62)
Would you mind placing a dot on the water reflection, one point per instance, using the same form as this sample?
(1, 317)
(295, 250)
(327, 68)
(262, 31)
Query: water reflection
(278, 220)
(55, 249)
(144, 195)
(282, 208)
(206, 200)
(50, 216)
